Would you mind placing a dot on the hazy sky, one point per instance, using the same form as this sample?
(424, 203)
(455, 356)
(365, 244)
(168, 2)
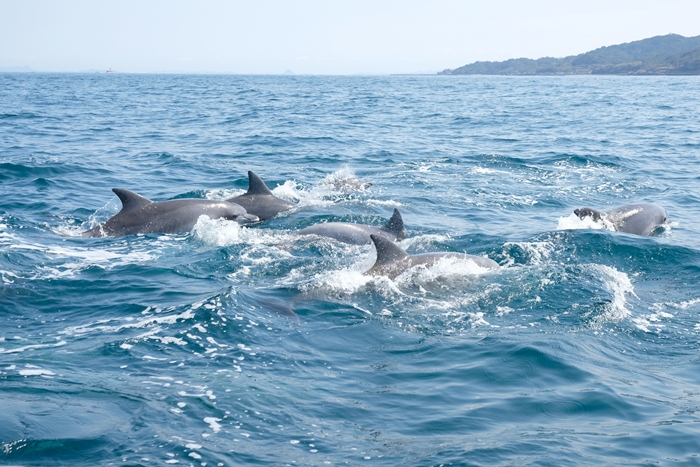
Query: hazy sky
(320, 37)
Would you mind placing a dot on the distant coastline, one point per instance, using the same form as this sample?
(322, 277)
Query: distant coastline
(672, 54)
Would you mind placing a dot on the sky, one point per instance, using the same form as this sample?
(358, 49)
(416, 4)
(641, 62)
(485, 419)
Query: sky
(343, 37)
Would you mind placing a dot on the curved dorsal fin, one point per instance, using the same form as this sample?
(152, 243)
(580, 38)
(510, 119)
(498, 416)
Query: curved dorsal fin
(387, 251)
(395, 225)
(256, 186)
(130, 200)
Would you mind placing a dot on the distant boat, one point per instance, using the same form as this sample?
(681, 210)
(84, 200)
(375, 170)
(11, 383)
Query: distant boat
(110, 70)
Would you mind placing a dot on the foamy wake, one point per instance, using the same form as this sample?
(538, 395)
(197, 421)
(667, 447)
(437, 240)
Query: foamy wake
(65, 261)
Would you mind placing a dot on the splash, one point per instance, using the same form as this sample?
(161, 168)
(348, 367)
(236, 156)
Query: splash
(448, 272)
(619, 285)
(572, 222)
(223, 233)
(344, 181)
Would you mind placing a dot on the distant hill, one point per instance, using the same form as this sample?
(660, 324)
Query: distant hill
(661, 55)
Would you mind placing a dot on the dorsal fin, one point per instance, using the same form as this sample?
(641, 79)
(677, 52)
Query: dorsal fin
(130, 200)
(395, 226)
(387, 251)
(256, 186)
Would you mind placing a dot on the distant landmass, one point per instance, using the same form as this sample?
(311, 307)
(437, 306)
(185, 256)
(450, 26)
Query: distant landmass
(672, 54)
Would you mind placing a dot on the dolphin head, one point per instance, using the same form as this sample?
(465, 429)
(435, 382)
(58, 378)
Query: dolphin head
(587, 212)
(247, 219)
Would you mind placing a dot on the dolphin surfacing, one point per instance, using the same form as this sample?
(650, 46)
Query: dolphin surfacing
(141, 215)
(392, 261)
(358, 234)
(259, 200)
(639, 219)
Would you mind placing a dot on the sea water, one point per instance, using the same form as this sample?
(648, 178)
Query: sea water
(232, 345)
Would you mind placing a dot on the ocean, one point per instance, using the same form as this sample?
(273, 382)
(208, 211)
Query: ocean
(251, 345)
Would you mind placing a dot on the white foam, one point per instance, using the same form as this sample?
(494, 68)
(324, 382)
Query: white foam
(102, 326)
(36, 372)
(572, 222)
(222, 194)
(449, 269)
(343, 281)
(538, 252)
(344, 181)
(420, 242)
(212, 422)
(32, 347)
(219, 232)
(68, 229)
(169, 340)
(685, 304)
(485, 171)
(619, 284)
(389, 202)
(110, 209)
(651, 323)
(223, 233)
(119, 255)
(6, 275)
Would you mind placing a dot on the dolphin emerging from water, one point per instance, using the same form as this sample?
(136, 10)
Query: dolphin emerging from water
(141, 215)
(638, 219)
(392, 260)
(259, 200)
(358, 234)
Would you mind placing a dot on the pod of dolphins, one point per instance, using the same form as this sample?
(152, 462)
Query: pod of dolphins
(141, 215)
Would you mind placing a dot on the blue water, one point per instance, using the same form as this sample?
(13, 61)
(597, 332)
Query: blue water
(250, 345)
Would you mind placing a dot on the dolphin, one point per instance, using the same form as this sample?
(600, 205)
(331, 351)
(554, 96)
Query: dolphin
(358, 234)
(638, 219)
(141, 215)
(259, 200)
(392, 260)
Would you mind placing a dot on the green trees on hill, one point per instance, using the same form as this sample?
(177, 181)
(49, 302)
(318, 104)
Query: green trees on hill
(672, 54)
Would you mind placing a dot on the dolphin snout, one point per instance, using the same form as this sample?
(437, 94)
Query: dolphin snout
(247, 219)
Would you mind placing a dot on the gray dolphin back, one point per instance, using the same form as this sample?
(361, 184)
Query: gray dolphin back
(638, 219)
(141, 215)
(392, 260)
(259, 200)
(358, 234)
